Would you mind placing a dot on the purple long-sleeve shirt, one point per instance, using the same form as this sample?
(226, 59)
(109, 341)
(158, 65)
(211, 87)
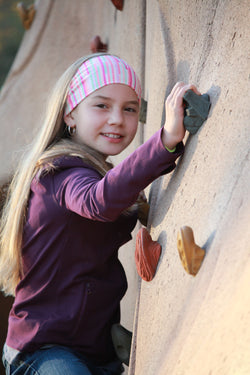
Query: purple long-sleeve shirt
(73, 281)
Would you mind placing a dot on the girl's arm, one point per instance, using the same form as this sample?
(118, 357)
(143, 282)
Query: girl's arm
(82, 190)
(104, 199)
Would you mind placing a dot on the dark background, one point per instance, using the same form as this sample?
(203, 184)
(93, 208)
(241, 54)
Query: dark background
(11, 34)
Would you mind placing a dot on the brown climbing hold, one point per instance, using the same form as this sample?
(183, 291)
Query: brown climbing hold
(118, 4)
(147, 254)
(96, 45)
(143, 210)
(191, 255)
(26, 14)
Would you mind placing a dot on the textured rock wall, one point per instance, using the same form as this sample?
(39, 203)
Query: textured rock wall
(199, 325)
(182, 325)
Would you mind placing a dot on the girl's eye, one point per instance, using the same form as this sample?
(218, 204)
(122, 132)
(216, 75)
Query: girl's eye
(130, 109)
(101, 105)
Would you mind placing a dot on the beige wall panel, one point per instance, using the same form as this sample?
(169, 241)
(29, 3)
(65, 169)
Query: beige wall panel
(199, 325)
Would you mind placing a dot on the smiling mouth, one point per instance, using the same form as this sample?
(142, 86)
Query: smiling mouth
(110, 135)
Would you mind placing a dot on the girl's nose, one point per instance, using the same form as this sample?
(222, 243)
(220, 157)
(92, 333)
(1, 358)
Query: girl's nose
(116, 117)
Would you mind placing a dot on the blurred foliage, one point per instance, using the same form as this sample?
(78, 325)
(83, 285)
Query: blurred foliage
(11, 33)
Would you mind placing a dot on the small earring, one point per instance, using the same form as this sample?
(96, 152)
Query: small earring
(71, 130)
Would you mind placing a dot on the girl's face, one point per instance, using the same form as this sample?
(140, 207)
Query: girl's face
(107, 119)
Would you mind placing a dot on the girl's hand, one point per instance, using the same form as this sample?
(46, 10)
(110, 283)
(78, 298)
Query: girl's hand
(174, 130)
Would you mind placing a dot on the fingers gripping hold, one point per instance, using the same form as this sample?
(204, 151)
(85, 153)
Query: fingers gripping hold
(174, 130)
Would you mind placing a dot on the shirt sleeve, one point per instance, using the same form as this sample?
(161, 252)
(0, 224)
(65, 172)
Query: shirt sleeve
(85, 192)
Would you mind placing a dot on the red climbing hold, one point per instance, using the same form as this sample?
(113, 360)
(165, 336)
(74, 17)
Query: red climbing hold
(147, 254)
(118, 4)
(96, 45)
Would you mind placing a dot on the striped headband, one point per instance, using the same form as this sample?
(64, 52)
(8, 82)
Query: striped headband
(97, 72)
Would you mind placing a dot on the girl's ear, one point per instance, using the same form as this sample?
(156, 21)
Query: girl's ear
(69, 120)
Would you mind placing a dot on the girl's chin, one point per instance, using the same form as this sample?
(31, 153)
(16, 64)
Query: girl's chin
(113, 150)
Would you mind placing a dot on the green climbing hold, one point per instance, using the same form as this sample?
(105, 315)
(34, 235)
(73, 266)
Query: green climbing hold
(196, 110)
(122, 339)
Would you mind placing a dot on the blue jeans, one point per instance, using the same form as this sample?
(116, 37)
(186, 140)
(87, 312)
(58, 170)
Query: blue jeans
(58, 360)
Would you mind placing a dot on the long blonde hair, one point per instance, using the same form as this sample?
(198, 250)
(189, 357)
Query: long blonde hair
(49, 144)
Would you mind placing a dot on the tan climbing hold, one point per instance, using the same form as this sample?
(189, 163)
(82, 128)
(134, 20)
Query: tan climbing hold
(191, 255)
(147, 254)
(26, 14)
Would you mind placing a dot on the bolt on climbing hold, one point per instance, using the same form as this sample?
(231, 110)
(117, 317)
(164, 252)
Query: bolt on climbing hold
(147, 254)
(191, 255)
(96, 45)
(196, 110)
(118, 4)
(27, 14)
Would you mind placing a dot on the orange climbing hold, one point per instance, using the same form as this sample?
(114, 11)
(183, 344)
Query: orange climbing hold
(27, 14)
(147, 254)
(191, 255)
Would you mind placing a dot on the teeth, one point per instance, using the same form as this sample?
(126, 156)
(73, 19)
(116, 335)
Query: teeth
(112, 135)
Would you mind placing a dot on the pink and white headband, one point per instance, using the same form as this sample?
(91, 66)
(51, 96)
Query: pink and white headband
(97, 72)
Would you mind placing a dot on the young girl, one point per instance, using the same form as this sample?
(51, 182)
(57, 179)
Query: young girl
(68, 213)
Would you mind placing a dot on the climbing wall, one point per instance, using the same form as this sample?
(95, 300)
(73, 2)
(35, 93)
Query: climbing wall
(183, 325)
(199, 325)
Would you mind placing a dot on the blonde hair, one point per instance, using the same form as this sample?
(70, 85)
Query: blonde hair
(49, 144)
